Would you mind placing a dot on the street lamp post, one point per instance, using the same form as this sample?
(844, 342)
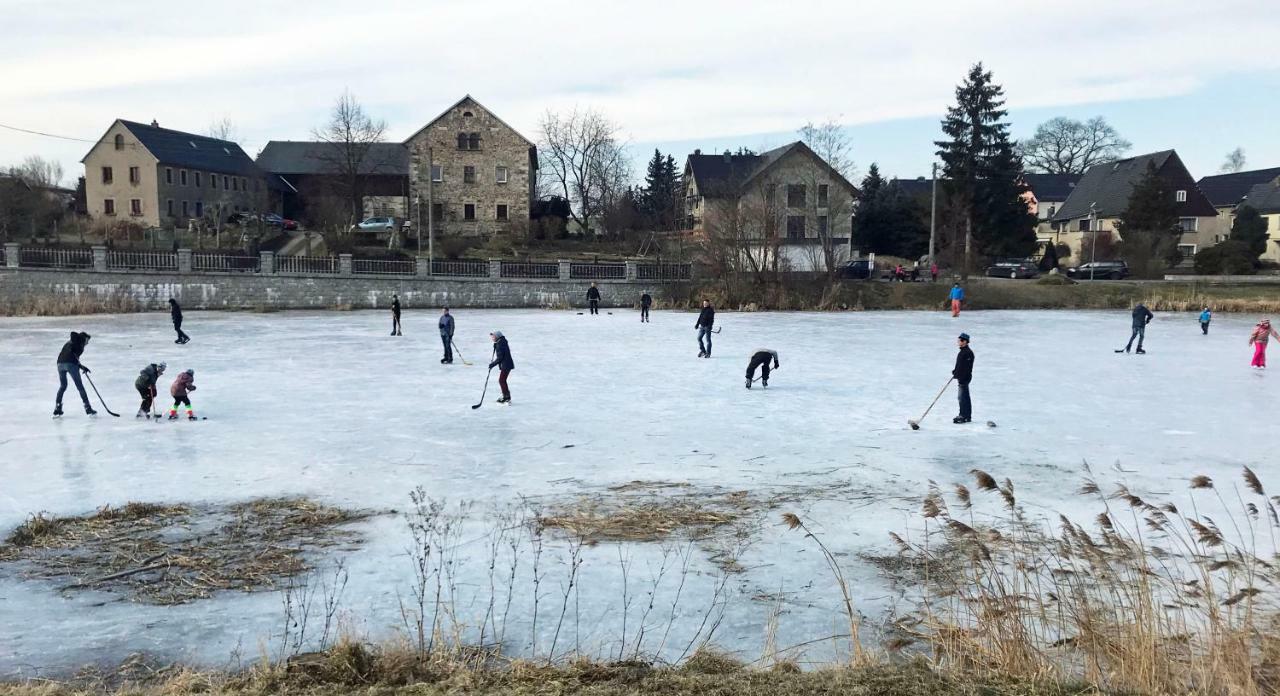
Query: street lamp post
(417, 220)
(1093, 229)
(933, 211)
(431, 218)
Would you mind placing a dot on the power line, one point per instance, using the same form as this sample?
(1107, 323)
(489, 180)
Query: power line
(47, 135)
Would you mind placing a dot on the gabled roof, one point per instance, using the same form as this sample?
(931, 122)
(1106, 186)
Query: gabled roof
(1264, 198)
(460, 102)
(1226, 190)
(293, 157)
(719, 175)
(1108, 186)
(182, 149)
(1051, 187)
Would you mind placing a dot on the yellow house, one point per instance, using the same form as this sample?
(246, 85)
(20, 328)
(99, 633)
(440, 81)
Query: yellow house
(1265, 198)
(1226, 191)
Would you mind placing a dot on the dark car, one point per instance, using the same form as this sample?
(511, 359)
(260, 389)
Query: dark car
(241, 218)
(1013, 268)
(1100, 270)
(284, 223)
(856, 270)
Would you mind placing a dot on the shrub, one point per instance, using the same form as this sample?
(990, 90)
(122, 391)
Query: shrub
(1232, 257)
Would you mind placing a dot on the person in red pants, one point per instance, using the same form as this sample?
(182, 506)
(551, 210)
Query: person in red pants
(502, 361)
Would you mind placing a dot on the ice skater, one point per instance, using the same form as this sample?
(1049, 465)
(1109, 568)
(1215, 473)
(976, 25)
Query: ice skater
(146, 386)
(175, 313)
(593, 298)
(180, 390)
(395, 315)
(957, 298)
(761, 359)
(1141, 317)
(446, 336)
(1205, 317)
(645, 301)
(69, 363)
(706, 319)
(963, 374)
(502, 360)
(1258, 339)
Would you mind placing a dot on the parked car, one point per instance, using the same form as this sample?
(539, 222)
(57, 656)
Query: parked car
(242, 218)
(856, 270)
(377, 224)
(1013, 268)
(1101, 270)
(283, 223)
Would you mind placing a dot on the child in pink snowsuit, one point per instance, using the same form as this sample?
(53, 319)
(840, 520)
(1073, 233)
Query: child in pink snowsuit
(1261, 334)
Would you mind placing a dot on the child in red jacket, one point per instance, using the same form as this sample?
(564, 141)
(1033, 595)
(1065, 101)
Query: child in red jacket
(184, 384)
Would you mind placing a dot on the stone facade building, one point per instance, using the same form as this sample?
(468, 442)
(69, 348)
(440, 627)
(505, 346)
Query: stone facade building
(473, 173)
(158, 177)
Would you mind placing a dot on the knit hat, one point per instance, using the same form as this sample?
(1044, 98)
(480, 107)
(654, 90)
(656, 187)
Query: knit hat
(191, 372)
(497, 334)
(964, 337)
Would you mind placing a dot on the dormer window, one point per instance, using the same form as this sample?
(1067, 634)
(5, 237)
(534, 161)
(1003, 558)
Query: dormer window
(1180, 196)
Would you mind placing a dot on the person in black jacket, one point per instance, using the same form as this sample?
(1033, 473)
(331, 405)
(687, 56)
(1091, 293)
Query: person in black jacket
(761, 359)
(645, 301)
(706, 319)
(395, 315)
(593, 298)
(146, 386)
(1141, 317)
(69, 362)
(963, 374)
(446, 335)
(502, 360)
(175, 313)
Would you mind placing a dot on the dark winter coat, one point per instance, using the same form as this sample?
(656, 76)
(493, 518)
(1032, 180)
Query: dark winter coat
(395, 307)
(593, 293)
(1141, 316)
(183, 384)
(963, 371)
(502, 355)
(645, 300)
(763, 356)
(446, 326)
(148, 377)
(175, 311)
(707, 317)
(72, 349)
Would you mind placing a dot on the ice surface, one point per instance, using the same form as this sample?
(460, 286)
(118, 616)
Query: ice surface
(329, 405)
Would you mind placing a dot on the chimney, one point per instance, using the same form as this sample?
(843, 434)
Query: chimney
(155, 123)
(728, 157)
(697, 151)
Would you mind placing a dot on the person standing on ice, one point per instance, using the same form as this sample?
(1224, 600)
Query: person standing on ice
(933, 270)
(761, 359)
(175, 313)
(957, 298)
(706, 319)
(593, 298)
(645, 301)
(395, 315)
(963, 374)
(1205, 317)
(180, 391)
(1141, 317)
(446, 336)
(502, 360)
(1258, 339)
(146, 386)
(69, 363)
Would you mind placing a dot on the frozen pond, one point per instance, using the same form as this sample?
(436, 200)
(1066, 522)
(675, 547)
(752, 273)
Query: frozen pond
(328, 405)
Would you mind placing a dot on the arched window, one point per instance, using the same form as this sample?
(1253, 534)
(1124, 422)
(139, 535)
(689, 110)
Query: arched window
(466, 114)
(119, 141)
(462, 141)
(474, 141)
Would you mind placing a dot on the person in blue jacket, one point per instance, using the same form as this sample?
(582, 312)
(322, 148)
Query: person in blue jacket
(1205, 317)
(957, 297)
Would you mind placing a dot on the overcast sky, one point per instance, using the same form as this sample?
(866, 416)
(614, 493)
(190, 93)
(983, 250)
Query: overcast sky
(1200, 77)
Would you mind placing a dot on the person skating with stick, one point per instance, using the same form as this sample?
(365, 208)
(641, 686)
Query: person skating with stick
(706, 319)
(593, 298)
(175, 313)
(502, 360)
(395, 315)
(645, 302)
(146, 386)
(446, 336)
(761, 359)
(69, 363)
(963, 374)
(1141, 317)
(180, 390)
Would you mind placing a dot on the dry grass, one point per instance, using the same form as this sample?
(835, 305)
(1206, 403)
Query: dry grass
(33, 305)
(172, 554)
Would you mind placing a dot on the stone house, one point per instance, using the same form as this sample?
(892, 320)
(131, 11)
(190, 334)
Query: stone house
(158, 177)
(473, 173)
(1226, 191)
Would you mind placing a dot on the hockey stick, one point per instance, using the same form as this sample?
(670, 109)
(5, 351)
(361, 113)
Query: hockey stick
(757, 379)
(485, 390)
(455, 348)
(95, 391)
(915, 424)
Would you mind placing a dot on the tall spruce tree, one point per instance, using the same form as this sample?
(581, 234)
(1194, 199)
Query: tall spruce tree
(659, 200)
(1250, 228)
(1148, 227)
(887, 220)
(983, 172)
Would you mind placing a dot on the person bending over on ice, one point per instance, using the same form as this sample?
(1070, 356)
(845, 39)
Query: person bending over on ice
(182, 386)
(957, 298)
(645, 301)
(446, 336)
(395, 315)
(706, 319)
(593, 298)
(1205, 317)
(502, 361)
(69, 363)
(963, 374)
(146, 386)
(1258, 339)
(1141, 317)
(175, 313)
(761, 359)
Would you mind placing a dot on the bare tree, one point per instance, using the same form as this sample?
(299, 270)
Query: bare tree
(827, 207)
(39, 172)
(351, 135)
(832, 144)
(583, 153)
(1066, 146)
(1234, 163)
(224, 129)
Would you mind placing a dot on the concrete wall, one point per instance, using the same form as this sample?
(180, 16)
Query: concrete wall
(246, 291)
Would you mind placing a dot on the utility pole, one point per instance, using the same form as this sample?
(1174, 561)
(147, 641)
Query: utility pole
(933, 212)
(1093, 228)
(417, 220)
(431, 218)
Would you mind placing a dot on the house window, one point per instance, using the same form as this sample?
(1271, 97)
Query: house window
(1180, 196)
(822, 195)
(244, 184)
(437, 211)
(119, 141)
(469, 211)
(500, 175)
(197, 179)
(502, 212)
(468, 175)
(795, 227)
(226, 185)
(135, 175)
(213, 180)
(182, 177)
(108, 206)
(199, 209)
(437, 173)
(168, 175)
(474, 141)
(186, 209)
(235, 183)
(1052, 209)
(795, 196)
(462, 141)
(1188, 224)
(135, 206)
(168, 207)
(106, 175)
(822, 226)
(1187, 250)
(1084, 224)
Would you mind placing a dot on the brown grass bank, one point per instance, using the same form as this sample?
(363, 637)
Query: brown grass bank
(69, 305)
